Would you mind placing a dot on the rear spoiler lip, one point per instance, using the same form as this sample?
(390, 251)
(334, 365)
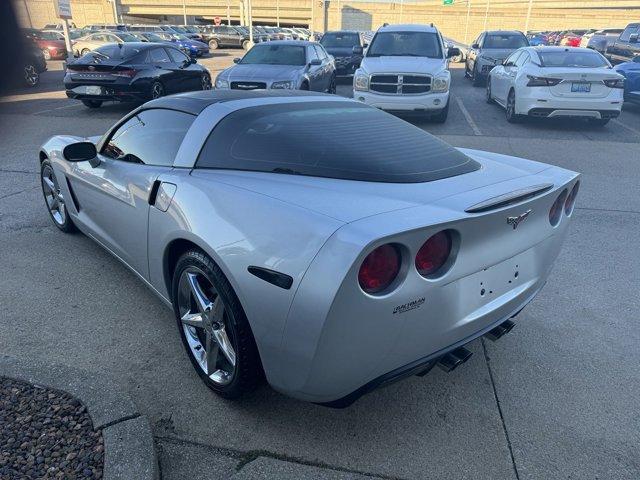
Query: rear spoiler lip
(510, 198)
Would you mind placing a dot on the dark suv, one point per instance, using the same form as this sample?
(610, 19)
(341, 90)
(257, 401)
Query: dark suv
(225, 36)
(346, 47)
(627, 46)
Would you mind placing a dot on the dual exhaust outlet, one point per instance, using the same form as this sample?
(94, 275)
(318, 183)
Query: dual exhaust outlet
(453, 359)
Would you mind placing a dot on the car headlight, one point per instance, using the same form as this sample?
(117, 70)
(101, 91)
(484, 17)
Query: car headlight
(361, 82)
(220, 83)
(440, 83)
(284, 84)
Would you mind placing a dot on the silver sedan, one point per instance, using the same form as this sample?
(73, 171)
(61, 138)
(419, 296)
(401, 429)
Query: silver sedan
(278, 65)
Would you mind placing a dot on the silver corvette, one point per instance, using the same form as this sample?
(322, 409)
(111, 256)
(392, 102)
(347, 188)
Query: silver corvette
(311, 240)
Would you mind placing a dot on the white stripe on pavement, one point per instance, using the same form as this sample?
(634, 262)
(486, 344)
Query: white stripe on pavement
(467, 116)
(57, 108)
(631, 129)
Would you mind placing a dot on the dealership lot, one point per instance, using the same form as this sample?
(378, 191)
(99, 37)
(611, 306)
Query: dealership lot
(554, 399)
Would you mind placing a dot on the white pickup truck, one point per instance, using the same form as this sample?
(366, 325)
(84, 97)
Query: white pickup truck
(405, 70)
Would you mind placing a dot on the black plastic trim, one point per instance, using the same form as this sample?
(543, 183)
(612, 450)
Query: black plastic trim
(278, 279)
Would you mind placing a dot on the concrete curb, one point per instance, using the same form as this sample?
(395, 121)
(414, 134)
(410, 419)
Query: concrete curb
(128, 442)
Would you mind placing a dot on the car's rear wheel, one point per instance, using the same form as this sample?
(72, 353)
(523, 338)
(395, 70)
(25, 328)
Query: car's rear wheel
(510, 111)
(304, 86)
(332, 85)
(157, 90)
(213, 327)
(54, 199)
(46, 54)
(31, 75)
(245, 45)
(600, 122)
(92, 103)
(213, 44)
(206, 82)
(489, 96)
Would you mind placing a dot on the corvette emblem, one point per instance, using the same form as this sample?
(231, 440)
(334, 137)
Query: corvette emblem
(515, 221)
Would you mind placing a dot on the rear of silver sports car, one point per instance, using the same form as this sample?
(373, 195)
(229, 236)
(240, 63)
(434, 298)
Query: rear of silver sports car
(393, 294)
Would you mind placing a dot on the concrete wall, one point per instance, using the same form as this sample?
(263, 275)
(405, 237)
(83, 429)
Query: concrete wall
(334, 14)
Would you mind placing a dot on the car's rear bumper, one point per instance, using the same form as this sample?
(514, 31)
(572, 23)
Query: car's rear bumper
(538, 105)
(109, 92)
(430, 102)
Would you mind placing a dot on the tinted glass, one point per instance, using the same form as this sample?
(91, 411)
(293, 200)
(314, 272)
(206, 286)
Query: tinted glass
(50, 36)
(522, 59)
(152, 137)
(512, 59)
(152, 37)
(117, 52)
(339, 39)
(630, 30)
(330, 139)
(572, 59)
(402, 44)
(158, 55)
(505, 41)
(127, 37)
(278, 54)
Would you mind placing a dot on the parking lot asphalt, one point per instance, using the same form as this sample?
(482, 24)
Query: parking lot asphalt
(556, 398)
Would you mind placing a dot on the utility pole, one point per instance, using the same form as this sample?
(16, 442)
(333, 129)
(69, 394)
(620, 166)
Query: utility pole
(486, 14)
(115, 11)
(278, 13)
(466, 28)
(228, 14)
(312, 19)
(67, 39)
(526, 25)
(401, 9)
(250, 15)
(184, 11)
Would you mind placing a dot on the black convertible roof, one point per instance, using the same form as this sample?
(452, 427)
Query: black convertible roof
(196, 102)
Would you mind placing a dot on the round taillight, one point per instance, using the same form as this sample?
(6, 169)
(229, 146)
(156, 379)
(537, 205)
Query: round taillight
(556, 209)
(379, 269)
(434, 253)
(571, 199)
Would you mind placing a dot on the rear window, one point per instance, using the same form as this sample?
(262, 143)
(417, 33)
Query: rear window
(115, 51)
(333, 40)
(507, 41)
(572, 59)
(330, 139)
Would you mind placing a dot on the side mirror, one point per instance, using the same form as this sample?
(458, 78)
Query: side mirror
(357, 50)
(453, 52)
(79, 152)
(315, 62)
(475, 46)
(236, 60)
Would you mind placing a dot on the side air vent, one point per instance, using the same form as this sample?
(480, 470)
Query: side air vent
(510, 198)
(73, 195)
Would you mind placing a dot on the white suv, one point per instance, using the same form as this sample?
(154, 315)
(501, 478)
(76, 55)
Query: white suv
(406, 70)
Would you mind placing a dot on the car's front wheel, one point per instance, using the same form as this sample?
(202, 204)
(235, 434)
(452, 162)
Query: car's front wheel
(31, 76)
(213, 327)
(245, 45)
(332, 86)
(476, 79)
(206, 82)
(54, 199)
(213, 44)
(489, 96)
(157, 90)
(442, 115)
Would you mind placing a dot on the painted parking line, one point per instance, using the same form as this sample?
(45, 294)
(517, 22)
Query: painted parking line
(468, 118)
(623, 125)
(58, 108)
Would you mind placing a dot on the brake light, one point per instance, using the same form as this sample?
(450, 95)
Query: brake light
(615, 83)
(542, 81)
(556, 209)
(379, 269)
(125, 73)
(571, 199)
(434, 253)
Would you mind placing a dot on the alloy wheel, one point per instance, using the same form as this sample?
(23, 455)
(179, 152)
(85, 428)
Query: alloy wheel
(156, 90)
(206, 82)
(204, 319)
(53, 197)
(46, 53)
(31, 75)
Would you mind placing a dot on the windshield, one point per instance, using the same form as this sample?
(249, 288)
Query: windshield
(331, 139)
(50, 36)
(573, 59)
(332, 40)
(265, 54)
(152, 37)
(179, 29)
(507, 41)
(127, 37)
(76, 34)
(182, 38)
(192, 29)
(405, 44)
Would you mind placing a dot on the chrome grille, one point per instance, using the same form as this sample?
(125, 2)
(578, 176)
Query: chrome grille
(248, 85)
(400, 84)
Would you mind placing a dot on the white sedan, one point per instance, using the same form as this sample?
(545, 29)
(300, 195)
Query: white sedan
(556, 82)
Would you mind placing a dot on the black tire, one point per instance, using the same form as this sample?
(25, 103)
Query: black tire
(64, 223)
(466, 70)
(304, 86)
(92, 103)
(248, 372)
(457, 59)
(332, 86)
(489, 98)
(213, 44)
(510, 111)
(156, 90)
(442, 115)
(245, 45)
(476, 79)
(31, 77)
(46, 54)
(599, 122)
(205, 82)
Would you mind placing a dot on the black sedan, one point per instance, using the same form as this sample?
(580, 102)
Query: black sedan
(133, 71)
(346, 47)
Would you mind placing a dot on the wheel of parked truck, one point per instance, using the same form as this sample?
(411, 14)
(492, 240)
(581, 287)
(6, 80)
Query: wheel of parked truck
(31, 75)
(245, 45)
(510, 111)
(332, 85)
(46, 54)
(489, 98)
(476, 81)
(457, 59)
(84, 51)
(213, 327)
(92, 103)
(205, 82)
(600, 122)
(213, 44)
(442, 115)
(157, 90)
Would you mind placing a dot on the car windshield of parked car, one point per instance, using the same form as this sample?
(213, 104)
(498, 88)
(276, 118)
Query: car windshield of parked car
(50, 36)
(507, 41)
(75, 35)
(179, 30)
(277, 54)
(572, 59)
(405, 44)
(152, 37)
(338, 39)
(182, 38)
(341, 140)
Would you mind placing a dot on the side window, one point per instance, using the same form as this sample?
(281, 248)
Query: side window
(524, 58)
(512, 59)
(630, 30)
(481, 40)
(319, 52)
(158, 55)
(312, 54)
(151, 137)
(177, 56)
(112, 38)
